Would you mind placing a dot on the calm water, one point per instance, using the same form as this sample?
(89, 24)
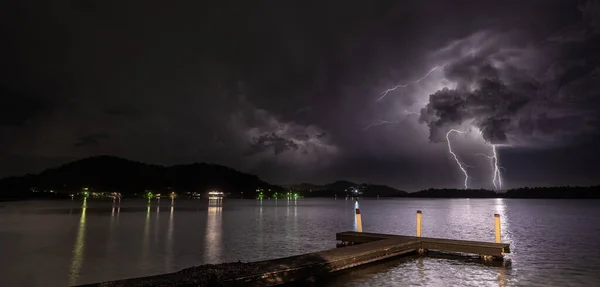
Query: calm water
(57, 243)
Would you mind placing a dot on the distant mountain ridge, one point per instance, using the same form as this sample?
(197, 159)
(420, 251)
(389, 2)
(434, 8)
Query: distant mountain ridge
(343, 188)
(114, 174)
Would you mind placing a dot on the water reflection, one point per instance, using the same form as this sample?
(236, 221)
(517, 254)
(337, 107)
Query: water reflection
(421, 271)
(259, 236)
(146, 239)
(157, 222)
(78, 248)
(276, 210)
(213, 231)
(116, 207)
(295, 214)
(500, 208)
(169, 247)
(502, 275)
(114, 217)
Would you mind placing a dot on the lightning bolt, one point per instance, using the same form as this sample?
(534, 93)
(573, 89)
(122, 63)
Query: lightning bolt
(496, 176)
(460, 164)
(382, 122)
(408, 113)
(379, 123)
(406, 85)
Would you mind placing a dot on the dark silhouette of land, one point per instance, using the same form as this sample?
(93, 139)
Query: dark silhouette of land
(108, 174)
(113, 174)
(455, 193)
(524, 192)
(555, 192)
(346, 188)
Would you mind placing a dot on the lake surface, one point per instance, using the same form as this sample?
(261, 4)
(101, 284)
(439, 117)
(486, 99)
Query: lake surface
(60, 243)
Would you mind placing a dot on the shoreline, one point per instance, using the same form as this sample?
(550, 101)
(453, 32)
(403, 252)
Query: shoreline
(594, 197)
(202, 275)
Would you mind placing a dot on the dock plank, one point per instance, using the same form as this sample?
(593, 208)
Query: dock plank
(372, 247)
(278, 271)
(441, 244)
(282, 270)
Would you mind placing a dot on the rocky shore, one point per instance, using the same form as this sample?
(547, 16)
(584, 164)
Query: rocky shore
(199, 276)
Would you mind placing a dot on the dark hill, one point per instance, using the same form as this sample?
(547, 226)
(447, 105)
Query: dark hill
(384, 191)
(555, 192)
(346, 188)
(455, 193)
(113, 174)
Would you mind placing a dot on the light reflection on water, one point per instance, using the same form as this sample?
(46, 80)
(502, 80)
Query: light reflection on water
(146, 235)
(554, 243)
(77, 260)
(213, 231)
(169, 241)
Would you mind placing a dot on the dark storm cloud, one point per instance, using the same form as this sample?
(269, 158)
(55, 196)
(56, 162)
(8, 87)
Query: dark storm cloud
(271, 142)
(591, 14)
(83, 5)
(17, 108)
(499, 90)
(269, 136)
(121, 111)
(291, 81)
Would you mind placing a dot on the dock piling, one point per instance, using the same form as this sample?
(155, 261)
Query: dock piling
(497, 227)
(419, 221)
(488, 250)
(358, 221)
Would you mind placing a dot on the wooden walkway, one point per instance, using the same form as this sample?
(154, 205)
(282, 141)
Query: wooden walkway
(362, 248)
(497, 250)
(279, 271)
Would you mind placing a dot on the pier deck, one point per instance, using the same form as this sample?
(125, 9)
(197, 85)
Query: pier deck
(438, 244)
(279, 271)
(363, 248)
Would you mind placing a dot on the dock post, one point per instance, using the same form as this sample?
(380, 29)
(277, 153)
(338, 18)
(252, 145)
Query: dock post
(421, 251)
(419, 216)
(358, 221)
(497, 227)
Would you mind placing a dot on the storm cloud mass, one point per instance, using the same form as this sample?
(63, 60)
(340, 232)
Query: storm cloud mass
(514, 97)
(289, 90)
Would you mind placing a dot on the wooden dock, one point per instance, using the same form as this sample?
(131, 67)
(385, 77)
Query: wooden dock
(360, 248)
(486, 249)
(279, 271)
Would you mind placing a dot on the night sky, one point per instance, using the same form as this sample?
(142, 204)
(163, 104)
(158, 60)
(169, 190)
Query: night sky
(292, 91)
